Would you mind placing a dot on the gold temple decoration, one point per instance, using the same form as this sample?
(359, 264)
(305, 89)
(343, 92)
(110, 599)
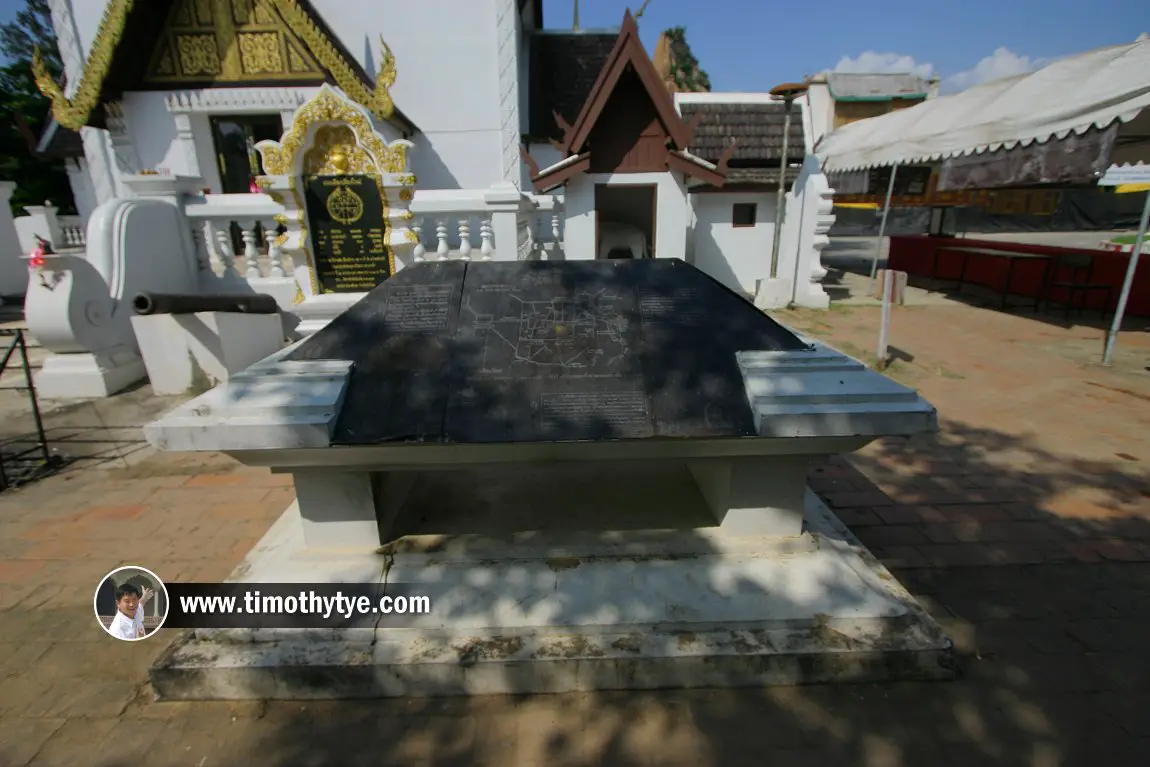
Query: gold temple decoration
(229, 42)
(378, 101)
(328, 107)
(345, 206)
(336, 152)
(232, 42)
(73, 113)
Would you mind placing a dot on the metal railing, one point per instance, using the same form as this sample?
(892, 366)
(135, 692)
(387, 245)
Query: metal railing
(44, 460)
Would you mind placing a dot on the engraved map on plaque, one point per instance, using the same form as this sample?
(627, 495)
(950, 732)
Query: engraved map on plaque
(348, 233)
(529, 352)
(550, 354)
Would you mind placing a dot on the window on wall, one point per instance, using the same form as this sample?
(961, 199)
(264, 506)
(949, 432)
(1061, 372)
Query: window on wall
(235, 139)
(743, 213)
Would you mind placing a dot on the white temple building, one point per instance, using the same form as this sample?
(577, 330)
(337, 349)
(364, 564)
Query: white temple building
(527, 143)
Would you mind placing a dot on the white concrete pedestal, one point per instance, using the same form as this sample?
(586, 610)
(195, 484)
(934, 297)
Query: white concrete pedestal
(89, 376)
(188, 352)
(316, 312)
(755, 496)
(336, 509)
(551, 613)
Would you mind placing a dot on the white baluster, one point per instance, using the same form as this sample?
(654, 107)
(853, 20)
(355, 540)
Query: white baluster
(251, 249)
(441, 235)
(536, 245)
(555, 231)
(202, 251)
(275, 252)
(420, 251)
(464, 239)
(227, 256)
(486, 237)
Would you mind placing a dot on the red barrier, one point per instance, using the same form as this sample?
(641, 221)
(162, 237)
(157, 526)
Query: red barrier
(915, 254)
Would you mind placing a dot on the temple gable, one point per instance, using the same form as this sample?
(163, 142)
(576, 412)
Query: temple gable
(229, 42)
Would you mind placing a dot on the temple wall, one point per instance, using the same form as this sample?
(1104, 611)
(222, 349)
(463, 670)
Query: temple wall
(83, 193)
(87, 15)
(672, 216)
(448, 80)
(736, 256)
(447, 57)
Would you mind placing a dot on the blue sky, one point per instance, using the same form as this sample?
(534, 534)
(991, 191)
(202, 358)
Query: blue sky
(752, 45)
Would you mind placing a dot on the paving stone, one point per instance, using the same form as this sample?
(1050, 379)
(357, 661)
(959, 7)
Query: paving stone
(74, 743)
(21, 739)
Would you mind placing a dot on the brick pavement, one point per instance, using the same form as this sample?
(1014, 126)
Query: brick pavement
(1024, 527)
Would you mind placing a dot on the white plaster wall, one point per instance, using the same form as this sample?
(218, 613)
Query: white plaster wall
(83, 193)
(438, 46)
(153, 131)
(87, 14)
(672, 216)
(446, 54)
(545, 155)
(736, 256)
(821, 107)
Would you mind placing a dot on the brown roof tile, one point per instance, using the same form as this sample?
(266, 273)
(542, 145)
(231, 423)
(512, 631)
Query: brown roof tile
(564, 67)
(757, 127)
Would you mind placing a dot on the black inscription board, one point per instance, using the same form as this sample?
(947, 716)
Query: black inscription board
(546, 351)
(348, 233)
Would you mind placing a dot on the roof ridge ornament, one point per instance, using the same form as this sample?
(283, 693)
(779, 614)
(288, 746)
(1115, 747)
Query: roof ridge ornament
(73, 113)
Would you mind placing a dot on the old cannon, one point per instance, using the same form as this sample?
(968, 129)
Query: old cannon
(163, 303)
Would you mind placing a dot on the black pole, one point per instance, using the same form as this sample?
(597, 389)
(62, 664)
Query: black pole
(35, 399)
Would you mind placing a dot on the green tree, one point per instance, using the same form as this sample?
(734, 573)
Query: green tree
(37, 178)
(685, 69)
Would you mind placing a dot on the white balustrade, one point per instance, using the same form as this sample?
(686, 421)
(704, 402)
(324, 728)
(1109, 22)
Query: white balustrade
(450, 224)
(256, 216)
(72, 229)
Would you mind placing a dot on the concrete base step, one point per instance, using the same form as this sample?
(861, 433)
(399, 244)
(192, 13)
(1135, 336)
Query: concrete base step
(575, 612)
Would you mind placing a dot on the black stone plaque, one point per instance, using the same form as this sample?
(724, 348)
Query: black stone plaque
(348, 233)
(546, 352)
(399, 337)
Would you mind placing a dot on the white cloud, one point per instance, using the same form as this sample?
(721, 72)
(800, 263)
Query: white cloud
(1143, 37)
(1002, 63)
(872, 62)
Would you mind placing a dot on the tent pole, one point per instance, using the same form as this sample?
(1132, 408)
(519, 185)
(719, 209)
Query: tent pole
(882, 226)
(1112, 336)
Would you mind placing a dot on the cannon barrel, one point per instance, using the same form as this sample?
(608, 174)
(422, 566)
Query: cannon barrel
(164, 303)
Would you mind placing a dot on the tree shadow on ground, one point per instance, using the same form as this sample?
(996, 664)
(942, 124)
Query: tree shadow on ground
(1035, 563)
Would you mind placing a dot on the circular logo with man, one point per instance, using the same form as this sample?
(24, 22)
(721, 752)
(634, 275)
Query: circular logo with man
(131, 603)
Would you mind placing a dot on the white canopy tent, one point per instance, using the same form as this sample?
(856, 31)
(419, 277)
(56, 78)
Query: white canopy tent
(1072, 95)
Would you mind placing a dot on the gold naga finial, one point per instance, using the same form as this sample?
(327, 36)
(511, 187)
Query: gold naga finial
(73, 113)
(384, 80)
(44, 80)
